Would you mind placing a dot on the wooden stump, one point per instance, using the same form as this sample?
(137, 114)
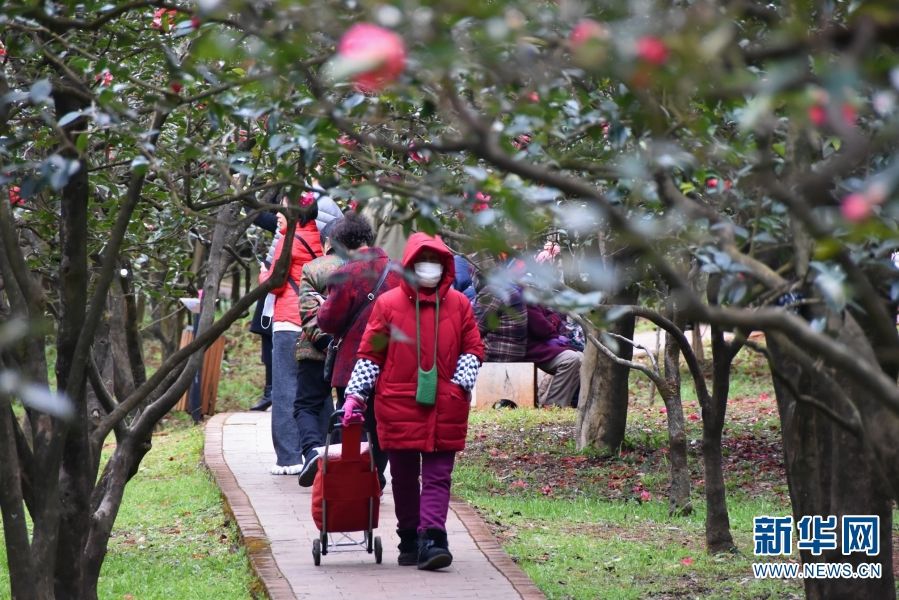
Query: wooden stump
(209, 377)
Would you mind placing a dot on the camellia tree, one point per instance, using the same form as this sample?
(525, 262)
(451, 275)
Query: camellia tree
(712, 162)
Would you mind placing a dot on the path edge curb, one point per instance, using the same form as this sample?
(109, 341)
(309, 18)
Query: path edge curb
(252, 534)
(489, 545)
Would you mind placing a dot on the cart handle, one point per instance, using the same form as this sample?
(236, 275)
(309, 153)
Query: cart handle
(336, 418)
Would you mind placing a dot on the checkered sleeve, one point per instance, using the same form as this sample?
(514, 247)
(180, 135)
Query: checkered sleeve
(362, 381)
(466, 374)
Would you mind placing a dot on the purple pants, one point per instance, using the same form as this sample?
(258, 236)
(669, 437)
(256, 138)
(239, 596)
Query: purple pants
(423, 507)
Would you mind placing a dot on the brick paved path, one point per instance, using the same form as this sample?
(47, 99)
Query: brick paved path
(275, 520)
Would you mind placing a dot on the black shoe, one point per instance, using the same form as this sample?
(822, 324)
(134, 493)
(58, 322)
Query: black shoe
(310, 468)
(408, 547)
(433, 550)
(263, 404)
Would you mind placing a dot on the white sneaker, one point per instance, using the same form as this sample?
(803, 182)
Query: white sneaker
(277, 470)
(293, 469)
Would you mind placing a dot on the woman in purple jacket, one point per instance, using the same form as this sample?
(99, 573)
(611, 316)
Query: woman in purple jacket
(551, 351)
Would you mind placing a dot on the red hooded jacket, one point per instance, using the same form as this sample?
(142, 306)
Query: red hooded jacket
(390, 342)
(287, 308)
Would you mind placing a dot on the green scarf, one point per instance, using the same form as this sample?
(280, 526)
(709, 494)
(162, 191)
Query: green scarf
(426, 392)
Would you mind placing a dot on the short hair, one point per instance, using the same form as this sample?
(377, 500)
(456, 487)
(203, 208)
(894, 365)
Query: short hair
(353, 231)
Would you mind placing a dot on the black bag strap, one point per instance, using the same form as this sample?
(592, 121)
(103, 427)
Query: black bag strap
(306, 244)
(293, 284)
(369, 299)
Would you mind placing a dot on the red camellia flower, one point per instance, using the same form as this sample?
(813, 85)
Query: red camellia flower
(14, 198)
(817, 114)
(307, 198)
(418, 157)
(712, 183)
(176, 86)
(855, 208)
(652, 50)
(586, 30)
(2, 50)
(849, 114)
(195, 22)
(380, 47)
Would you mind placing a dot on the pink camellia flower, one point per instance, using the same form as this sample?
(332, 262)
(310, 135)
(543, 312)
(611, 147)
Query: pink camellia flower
(586, 30)
(307, 199)
(645, 496)
(652, 50)
(14, 198)
(2, 50)
(686, 561)
(374, 45)
(481, 202)
(521, 141)
(347, 142)
(817, 114)
(159, 14)
(195, 22)
(534, 97)
(105, 78)
(855, 208)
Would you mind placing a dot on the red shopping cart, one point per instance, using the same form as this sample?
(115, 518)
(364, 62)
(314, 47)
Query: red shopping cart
(346, 495)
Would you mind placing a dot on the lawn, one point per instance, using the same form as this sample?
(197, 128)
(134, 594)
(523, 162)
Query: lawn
(172, 538)
(586, 526)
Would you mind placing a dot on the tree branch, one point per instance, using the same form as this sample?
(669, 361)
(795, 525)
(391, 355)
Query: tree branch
(107, 270)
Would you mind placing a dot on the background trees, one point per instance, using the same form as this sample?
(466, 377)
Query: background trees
(713, 162)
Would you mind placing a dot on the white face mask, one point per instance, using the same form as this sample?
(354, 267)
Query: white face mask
(428, 273)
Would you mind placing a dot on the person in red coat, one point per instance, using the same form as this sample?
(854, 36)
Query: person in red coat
(286, 326)
(419, 359)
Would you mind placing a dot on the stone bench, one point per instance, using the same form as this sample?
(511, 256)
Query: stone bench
(515, 381)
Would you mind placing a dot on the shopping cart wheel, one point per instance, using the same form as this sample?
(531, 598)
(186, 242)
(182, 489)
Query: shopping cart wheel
(378, 549)
(317, 552)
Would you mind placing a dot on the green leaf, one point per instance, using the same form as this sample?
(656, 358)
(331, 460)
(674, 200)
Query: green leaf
(139, 165)
(81, 142)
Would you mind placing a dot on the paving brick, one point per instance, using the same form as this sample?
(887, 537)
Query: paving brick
(239, 453)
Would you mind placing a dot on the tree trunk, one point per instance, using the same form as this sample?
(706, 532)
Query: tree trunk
(75, 483)
(717, 522)
(834, 471)
(679, 495)
(603, 401)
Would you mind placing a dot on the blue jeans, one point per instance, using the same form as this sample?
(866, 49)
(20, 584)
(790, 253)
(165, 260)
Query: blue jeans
(313, 404)
(285, 433)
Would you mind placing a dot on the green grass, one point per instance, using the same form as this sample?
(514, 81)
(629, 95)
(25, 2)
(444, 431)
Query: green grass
(576, 526)
(579, 523)
(172, 538)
